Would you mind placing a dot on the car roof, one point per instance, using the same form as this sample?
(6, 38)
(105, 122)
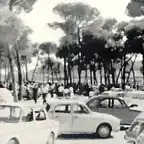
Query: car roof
(23, 105)
(102, 97)
(64, 101)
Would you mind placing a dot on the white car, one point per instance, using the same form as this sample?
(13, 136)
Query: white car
(21, 124)
(76, 118)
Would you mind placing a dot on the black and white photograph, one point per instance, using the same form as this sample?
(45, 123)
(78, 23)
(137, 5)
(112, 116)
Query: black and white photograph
(71, 71)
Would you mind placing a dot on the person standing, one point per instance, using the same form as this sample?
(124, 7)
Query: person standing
(61, 91)
(35, 92)
(44, 92)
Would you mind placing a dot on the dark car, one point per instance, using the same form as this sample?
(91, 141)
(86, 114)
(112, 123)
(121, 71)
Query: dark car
(114, 106)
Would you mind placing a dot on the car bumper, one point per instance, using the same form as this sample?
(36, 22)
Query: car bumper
(116, 129)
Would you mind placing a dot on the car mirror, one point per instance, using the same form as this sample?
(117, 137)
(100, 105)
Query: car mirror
(133, 105)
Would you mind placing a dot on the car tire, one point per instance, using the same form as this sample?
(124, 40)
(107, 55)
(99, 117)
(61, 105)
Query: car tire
(104, 130)
(51, 139)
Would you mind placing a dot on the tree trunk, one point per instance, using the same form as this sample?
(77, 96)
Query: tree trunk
(86, 74)
(26, 68)
(121, 67)
(113, 73)
(69, 73)
(79, 75)
(12, 73)
(132, 65)
(100, 74)
(19, 72)
(105, 72)
(73, 72)
(124, 72)
(65, 73)
(79, 56)
(134, 78)
(35, 68)
(108, 78)
(5, 67)
(0, 70)
(91, 81)
(52, 74)
(120, 71)
(143, 66)
(94, 76)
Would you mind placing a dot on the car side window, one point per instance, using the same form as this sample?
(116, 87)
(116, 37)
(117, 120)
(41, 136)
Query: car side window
(40, 115)
(105, 103)
(79, 109)
(64, 108)
(119, 104)
(28, 116)
(93, 103)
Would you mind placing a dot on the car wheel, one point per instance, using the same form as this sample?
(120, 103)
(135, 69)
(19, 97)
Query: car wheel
(12, 142)
(104, 131)
(51, 139)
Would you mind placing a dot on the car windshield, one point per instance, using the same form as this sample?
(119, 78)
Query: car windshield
(92, 102)
(9, 114)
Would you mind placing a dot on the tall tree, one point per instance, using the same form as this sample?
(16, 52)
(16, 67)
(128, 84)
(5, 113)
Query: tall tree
(135, 8)
(48, 48)
(21, 5)
(81, 15)
(11, 28)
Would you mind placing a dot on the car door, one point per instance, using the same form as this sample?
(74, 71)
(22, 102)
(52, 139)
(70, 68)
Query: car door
(105, 106)
(41, 122)
(122, 111)
(62, 113)
(82, 120)
(29, 128)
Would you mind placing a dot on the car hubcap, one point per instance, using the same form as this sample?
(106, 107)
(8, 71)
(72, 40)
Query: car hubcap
(104, 131)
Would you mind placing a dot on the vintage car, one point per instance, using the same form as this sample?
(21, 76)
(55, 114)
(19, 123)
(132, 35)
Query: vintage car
(119, 94)
(114, 106)
(135, 94)
(21, 124)
(76, 118)
(135, 134)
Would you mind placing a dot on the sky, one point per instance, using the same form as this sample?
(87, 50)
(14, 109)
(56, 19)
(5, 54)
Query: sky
(42, 13)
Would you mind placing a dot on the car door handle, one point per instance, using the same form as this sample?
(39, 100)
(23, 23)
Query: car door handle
(57, 116)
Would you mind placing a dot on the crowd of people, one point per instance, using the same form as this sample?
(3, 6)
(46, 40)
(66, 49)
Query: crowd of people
(35, 90)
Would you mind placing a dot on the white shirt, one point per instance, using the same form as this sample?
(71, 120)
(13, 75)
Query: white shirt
(66, 90)
(44, 89)
(71, 90)
(91, 93)
(61, 89)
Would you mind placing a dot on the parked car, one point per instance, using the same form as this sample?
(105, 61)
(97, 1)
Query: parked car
(119, 94)
(135, 94)
(114, 106)
(26, 124)
(135, 134)
(76, 118)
